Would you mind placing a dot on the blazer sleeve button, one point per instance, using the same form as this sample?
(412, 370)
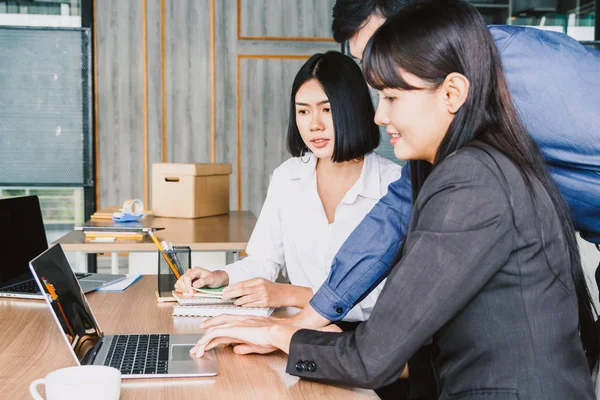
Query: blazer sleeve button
(339, 310)
(312, 367)
(300, 366)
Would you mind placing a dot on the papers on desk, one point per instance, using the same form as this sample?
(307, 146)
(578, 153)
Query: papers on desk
(115, 226)
(121, 285)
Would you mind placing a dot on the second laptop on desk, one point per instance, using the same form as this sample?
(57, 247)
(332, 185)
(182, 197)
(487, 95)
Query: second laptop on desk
(23, 237)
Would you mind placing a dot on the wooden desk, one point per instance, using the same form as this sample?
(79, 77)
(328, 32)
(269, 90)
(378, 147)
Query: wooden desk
(229, 233)
(222, 232)
(31, 346)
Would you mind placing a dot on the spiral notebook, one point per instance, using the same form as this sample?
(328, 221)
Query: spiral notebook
(198, 300)
(213, 310)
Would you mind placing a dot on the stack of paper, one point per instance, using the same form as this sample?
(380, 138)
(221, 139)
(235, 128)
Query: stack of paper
(198, 299)
(208, 302)
(212, 310)
(106, 214)
(108, 236)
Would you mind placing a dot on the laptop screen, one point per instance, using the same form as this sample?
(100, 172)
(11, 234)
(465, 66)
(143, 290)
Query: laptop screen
(22, 236)
(67, 301)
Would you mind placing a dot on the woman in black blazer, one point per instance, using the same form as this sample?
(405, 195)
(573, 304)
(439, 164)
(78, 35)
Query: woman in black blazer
(490, 269)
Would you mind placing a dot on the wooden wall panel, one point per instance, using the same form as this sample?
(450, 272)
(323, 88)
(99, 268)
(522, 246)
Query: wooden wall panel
(120, 105)
(185, 133)
(188, 80)
(226, 50)
(155, 142)
(310, 19)
(248, 47)
(266, 86)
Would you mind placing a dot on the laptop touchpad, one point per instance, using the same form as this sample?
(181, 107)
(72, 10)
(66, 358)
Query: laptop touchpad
(181, 352)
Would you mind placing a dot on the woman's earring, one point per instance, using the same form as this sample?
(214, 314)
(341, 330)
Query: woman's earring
(304, 153)
(359, 159)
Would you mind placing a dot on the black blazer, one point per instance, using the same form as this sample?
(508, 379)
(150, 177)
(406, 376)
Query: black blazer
(482, 276)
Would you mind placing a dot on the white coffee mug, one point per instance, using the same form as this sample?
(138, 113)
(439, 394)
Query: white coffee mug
(92, 382)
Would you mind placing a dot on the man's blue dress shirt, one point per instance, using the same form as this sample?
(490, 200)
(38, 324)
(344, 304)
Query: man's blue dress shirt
(555, 84)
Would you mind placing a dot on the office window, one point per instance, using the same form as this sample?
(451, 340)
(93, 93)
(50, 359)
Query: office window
(576, 18)
(494, 12)
(55, 13)
(45, 109)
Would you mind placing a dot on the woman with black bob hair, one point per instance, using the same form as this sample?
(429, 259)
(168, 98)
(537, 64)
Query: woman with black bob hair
(489, 270)
(315, 199)
(355, 132)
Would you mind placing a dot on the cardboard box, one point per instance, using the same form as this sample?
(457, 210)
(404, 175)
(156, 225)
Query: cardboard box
(190, 190)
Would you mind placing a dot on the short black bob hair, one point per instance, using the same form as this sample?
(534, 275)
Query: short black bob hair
(352, 111)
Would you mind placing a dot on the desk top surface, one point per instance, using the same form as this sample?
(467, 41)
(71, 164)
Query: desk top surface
(31, 347)
(229, 232)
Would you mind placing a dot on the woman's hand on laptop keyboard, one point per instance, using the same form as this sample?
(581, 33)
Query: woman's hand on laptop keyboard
(258, 335)
(244, 344)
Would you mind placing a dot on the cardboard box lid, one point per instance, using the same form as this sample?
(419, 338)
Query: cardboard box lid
(191, 169)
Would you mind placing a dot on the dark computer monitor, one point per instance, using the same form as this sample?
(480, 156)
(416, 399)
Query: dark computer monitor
(22, 238)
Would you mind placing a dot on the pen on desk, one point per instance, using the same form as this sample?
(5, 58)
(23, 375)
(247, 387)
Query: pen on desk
(165, 256)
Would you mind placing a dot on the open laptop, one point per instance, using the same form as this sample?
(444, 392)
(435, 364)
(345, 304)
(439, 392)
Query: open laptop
(137, 355)
(22, 238)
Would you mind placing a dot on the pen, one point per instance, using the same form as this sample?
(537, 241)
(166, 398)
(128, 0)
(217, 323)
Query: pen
(167, 259)
(170, 250)
(54, 297)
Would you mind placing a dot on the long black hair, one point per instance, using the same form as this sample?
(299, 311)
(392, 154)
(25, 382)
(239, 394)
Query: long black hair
(356, 133)
(434, 38)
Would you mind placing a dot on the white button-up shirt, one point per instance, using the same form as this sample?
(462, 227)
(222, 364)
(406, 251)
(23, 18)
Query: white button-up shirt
(293, 232)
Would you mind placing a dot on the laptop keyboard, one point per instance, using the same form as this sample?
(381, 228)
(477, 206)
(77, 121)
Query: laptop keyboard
(139, 354)
(31, 286)
(23, 287)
